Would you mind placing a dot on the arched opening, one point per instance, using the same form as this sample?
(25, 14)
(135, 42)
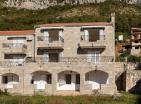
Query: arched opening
(10, 79)
(41, 79)
(69, 81)
(96, 79)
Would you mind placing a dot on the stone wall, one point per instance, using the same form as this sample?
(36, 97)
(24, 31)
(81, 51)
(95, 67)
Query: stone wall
(133, 78)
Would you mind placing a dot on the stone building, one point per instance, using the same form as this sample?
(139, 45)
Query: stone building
(136, 41)
(59, 58)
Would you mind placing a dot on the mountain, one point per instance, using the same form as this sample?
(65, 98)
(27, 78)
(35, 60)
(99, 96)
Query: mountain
(42, 4)
(127, 15)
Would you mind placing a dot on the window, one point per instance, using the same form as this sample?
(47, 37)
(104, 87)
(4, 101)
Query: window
(137, 47)
(77, 79)
(49, 79)
(68, 78)
(93, 56)
(51, 35)
(53, 57)
(5, 79)
(93, 34)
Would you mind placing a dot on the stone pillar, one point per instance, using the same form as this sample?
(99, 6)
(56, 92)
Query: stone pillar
(54, 83)
(82, 83)
(21, 82)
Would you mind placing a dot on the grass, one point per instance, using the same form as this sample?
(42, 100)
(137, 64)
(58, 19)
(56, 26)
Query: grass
(124, 99)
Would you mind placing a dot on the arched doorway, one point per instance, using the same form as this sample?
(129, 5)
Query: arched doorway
(69, 81)
(41, 79)
(10, 79)
(96, 78)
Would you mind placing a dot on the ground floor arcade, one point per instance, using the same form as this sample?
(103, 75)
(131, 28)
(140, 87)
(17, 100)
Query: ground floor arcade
(57, 80)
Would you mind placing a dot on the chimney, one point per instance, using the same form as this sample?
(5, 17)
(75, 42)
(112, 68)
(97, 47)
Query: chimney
(113, 18)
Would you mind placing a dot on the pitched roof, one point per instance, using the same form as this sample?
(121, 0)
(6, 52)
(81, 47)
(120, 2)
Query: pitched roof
(75, 24)
(17, 32)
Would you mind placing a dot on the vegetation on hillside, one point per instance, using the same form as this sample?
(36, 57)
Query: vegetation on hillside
(127, 16)
(124, 99)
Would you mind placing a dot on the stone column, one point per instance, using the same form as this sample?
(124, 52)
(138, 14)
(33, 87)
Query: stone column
(54, 83)
(82, 83)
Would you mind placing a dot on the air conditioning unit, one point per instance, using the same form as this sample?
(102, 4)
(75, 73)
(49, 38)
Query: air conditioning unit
(29, 38)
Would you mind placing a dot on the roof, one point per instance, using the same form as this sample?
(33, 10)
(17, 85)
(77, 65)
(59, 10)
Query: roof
(136, 29)
(75, 24)
(17, 32)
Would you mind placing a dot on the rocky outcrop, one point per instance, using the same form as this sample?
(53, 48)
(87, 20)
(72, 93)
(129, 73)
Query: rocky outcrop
(41, 4)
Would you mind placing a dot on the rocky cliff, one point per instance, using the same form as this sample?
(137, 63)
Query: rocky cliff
(41, 4)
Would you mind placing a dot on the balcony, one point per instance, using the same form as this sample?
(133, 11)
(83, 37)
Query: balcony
(14, 48)
(11, 63)
(83, 59)
(50, 42)
(87, 42)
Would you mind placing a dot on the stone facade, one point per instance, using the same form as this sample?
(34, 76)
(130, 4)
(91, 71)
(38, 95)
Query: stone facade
(135, 41)
(64, 58)
(132, 78)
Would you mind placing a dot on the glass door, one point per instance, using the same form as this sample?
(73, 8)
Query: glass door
(93, 56)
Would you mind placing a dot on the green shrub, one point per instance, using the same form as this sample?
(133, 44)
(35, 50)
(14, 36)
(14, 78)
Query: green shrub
(133, 58)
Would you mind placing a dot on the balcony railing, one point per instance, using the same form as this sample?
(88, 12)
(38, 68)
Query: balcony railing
(96, 59)
(14, 45)
(49, 39)
(89, 39)
(10, 63)
(43, 60)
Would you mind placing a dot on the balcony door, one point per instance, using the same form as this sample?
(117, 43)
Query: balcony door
(94, 34)
(17, 42)
(18, 60)
(86, 35)
(93, 56)
(46, 57)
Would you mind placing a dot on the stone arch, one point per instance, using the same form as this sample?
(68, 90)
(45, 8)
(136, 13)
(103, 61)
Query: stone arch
(10, 78)
(68, 80)
(96, 78)
(69, 70)
(42, 71)
(41, 78)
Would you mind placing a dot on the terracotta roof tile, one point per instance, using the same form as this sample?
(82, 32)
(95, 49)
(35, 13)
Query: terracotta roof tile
(17, 32)
(75, 24)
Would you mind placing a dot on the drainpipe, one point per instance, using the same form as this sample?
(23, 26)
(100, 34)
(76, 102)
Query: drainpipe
(34, 47)
(113, 22)
(23, 81)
